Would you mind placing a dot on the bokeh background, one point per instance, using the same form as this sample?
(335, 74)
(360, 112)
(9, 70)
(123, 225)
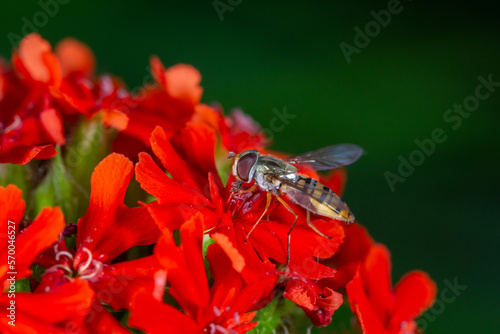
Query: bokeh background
(444, 218)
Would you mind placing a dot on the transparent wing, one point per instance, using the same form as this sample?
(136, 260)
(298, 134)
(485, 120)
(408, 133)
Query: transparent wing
(328, 157)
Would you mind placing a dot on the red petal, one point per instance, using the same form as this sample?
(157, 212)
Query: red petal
(241, 132)
(75, 57)
(415, 292)
(157, 70)
(173, 163)
(165, 189)
(119, 284)
(172, 216)
(298, 292)
(100, 321)
(360, 305)
(153, 316)
(237, 260)
(68, 303)
(376, 277)
(183, 82)
(269, 240)
(230, 292)
(255, 269)
(356, 244)
(207, 115)
(198, 141)
(22, 154)
(319, 309)
(2, 84)
(185, 266)
(116, 119)
(12, 209)
(52, 123)
(227, 281)
(132, 227)
(37, 60)
(38, 236)
(109, 182)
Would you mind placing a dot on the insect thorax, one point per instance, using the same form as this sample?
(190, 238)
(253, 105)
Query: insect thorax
(268, 168)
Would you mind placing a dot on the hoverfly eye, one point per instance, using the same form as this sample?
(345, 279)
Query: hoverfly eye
(245, 164)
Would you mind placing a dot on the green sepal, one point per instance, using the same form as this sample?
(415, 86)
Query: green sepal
(55, 189)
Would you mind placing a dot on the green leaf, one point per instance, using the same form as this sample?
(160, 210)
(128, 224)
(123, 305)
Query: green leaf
(269, 319)
(55, 190)
(38, 272)
(89, 145)
(207, 241)
(23, 285)
(14, 174)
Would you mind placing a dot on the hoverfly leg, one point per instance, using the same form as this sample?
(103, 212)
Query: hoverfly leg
(314, 227)
(252, 188)
(236, 186)
(289, 234)
(268, 203)
(268, 215)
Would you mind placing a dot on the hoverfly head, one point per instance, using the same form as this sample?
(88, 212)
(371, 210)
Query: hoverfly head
(244, 163)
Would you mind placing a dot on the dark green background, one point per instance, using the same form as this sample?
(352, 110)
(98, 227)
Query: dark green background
(444, 217)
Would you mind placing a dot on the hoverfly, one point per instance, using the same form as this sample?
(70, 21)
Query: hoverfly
(280, 176)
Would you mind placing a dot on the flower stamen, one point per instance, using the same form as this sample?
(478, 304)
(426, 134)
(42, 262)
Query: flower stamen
(60, 266)
(84, 267)
(65, 253)
(95, 272)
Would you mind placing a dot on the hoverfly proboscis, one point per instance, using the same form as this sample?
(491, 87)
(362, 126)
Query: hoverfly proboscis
(280, 176)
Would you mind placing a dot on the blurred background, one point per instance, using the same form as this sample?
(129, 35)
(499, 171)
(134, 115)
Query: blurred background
(382, 91)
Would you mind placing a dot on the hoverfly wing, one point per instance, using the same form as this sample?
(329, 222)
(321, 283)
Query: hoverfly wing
(328, 157)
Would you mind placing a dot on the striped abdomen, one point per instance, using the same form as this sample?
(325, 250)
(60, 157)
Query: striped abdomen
(316, 197)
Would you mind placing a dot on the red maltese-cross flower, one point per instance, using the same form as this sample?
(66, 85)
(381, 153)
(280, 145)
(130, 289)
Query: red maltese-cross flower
(169, 102)
(225, 307)
(379, 308)
(195, 186)
(44, 90)
(64, 307)
(108, 229)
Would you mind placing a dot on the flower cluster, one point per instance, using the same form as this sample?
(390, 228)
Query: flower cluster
(181, 259)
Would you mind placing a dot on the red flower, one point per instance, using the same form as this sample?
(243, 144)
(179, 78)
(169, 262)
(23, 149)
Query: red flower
(81, 92)
(106, 230)
(222, 308)
(29, 126)
(62, 311)
(317, 297)
(240, 132)
(317, 305)
(63, 308)
(44, 91)
(46, 88)
(196, 187)
(27, 243)
(380, 309)
(170, 103)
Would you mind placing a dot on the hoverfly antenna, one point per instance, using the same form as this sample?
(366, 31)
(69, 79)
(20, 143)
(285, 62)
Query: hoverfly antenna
(231, 155)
